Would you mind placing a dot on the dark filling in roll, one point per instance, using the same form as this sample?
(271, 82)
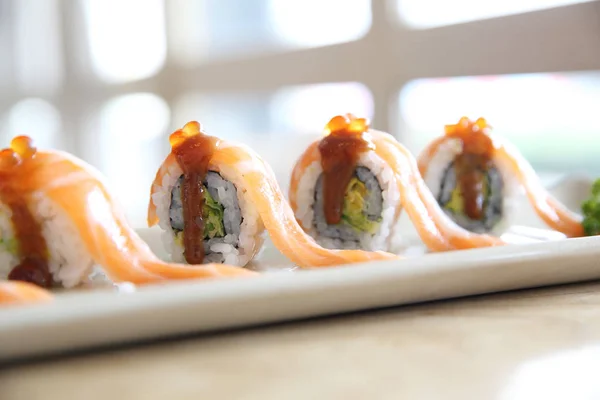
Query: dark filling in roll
(340, 151)
(471, 193)
(361, 207)
(31, 244)
(193, 153)
(471, 187)
(220, 213)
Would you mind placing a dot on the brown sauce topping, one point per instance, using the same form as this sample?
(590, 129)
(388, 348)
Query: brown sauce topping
(193, 151)
(340, 150)
(473, 163)
(32, 248)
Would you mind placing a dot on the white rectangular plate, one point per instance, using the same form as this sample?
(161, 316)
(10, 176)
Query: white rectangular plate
(123, 313)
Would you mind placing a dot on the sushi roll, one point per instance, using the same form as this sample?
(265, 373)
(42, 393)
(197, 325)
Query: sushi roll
(261, 203)
(343, 194)
(466, 181)
(475, 177)
(30, 249)
(202, 206)
(58, 221)
(349, 188)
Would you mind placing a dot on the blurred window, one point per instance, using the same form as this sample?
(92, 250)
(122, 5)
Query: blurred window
(129, 130)
(431, 13)
(204, 30)
(551, 118)
(36, 118)
(126, 38)
(38, 54)
(307, 109)
(234, 116)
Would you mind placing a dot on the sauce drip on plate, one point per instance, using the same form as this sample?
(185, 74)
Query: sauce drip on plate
(31, 244)
(193, 151)
(473, 163)
(340, 150)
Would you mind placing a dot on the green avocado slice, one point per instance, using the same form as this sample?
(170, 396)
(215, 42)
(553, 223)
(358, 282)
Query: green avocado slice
(354, 204)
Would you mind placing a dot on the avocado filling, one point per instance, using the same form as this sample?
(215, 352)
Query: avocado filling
(354, 205)
(212, 213)
(10, 245)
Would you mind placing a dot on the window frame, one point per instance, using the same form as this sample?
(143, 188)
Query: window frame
(561, 39)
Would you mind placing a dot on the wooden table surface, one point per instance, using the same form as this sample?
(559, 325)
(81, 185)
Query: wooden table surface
(537, 344)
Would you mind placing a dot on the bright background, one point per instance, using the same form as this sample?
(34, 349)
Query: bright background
(100, 78)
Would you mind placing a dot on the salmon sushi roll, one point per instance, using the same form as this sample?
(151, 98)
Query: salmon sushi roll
(202, 206)
(476, 177)
(466, 181)
(343, 194)
(38, 243)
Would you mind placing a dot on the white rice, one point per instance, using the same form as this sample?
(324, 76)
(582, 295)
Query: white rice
(384, 238)
(7, 260)
(224, 250)
(69, 262)
(446, 154)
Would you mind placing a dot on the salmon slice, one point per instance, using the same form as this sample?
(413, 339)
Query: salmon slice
(428, 153)
(435, 228)
(555, 214)
(17, 293)
(277, 216)
(510, 160)
(78, 190)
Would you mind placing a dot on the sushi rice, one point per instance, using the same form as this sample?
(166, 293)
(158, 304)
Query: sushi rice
(243, 228)
(380, 206)
(68, 260)
(504, 190)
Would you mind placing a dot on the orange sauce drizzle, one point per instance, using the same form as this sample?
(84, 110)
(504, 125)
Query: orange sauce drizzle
(193, 151)
(340, 150)
(32, 248)
(473, 163)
